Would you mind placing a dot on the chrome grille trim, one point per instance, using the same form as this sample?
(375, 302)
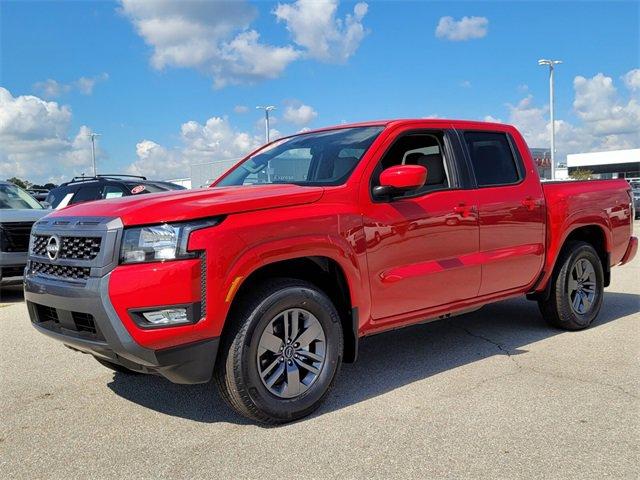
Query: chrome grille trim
(89, 247)
(64, 271)
(72, 247)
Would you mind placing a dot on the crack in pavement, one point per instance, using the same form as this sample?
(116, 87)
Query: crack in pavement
(502, 348)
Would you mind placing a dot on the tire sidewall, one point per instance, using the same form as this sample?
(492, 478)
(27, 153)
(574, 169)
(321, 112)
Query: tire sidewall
(564, 305)
(285, 298)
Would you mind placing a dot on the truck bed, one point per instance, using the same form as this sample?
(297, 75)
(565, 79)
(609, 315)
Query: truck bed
(572, 204)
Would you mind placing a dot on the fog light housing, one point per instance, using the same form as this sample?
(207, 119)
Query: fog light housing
(169, 316)
(166, 316)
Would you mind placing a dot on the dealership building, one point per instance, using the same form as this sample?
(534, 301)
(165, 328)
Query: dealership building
(613, 164)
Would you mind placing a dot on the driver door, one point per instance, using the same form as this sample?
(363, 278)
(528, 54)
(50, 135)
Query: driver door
(422, 248)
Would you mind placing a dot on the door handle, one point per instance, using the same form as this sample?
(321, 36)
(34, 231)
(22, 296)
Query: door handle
(530, 203)
(463, 209)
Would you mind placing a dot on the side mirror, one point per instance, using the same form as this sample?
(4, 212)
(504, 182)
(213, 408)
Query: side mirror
(400, 179)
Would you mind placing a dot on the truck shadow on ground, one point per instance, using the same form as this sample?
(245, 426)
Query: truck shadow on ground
(387, 361)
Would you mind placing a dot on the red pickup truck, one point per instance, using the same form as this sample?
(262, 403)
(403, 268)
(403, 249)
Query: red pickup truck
(267, 281)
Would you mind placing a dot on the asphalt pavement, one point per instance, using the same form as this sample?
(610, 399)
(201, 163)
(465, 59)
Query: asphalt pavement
(493, 394)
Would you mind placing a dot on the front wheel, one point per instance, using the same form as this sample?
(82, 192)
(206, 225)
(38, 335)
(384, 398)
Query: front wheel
(577, 289)
(282, 354)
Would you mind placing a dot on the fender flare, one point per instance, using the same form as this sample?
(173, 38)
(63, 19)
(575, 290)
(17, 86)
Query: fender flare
(579, 219)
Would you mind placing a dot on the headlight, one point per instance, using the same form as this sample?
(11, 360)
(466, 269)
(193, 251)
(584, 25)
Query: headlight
(157, 243)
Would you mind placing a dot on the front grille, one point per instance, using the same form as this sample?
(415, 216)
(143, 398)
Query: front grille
(84, 322)
(14, 236)
(71, 248)
(63, 271)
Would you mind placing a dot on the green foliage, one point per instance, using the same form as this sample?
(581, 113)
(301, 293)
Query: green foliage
(581, 174)
(19, 182)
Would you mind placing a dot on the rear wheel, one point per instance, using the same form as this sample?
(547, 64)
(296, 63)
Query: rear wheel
(577, 289)
(282, 354)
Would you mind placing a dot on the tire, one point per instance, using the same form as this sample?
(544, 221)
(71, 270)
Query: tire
(115, 367)
(574, 304)
(250, 358)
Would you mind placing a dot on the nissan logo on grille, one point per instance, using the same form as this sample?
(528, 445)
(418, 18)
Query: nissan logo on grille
(53, 247)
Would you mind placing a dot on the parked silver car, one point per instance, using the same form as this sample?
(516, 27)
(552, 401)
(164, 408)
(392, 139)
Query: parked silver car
(18, 212)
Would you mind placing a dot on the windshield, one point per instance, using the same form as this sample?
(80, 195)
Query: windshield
(14, 197)
(322, 158)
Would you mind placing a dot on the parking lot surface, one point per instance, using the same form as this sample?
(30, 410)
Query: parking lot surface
(496, 393)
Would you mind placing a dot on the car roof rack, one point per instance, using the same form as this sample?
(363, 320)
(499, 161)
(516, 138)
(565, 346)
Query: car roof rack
(116, 175)
(102, 177)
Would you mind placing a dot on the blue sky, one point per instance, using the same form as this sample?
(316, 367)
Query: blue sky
(398, 68)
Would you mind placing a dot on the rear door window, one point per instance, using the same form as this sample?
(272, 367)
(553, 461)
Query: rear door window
(492, 158)
(86, 193)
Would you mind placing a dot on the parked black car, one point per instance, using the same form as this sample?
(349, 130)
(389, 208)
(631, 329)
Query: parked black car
(86, 189)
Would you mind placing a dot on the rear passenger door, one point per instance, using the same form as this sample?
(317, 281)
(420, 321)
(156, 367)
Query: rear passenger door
(511, 211)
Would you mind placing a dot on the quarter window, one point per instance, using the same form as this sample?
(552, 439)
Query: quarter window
(492, 158)
(112, 191)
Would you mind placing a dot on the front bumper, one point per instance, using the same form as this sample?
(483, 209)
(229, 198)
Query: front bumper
(12, 267)
(104, 336)
(71, 300)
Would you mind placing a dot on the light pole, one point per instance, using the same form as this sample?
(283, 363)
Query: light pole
(551, 64)
(93, 151)
(266, 109)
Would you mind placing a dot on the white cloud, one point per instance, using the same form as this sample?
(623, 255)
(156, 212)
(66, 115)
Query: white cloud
(300, 115)
(214, 140)
(35, 140)
(315, 26)
(599, 106)
(85, 84)
(607, 120)
(632, 79)
(52, 88)
(466, 28)
(241, 109)
(465, 84)
(213, 37)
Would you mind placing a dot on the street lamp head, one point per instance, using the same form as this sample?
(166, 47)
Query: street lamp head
(551, 63)
(267, 108)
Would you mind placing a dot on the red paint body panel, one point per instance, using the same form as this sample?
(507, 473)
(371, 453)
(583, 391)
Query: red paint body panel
(178, 205)
(404, 176)
(404, 261)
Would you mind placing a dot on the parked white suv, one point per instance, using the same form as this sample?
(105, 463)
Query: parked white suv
(18, 212)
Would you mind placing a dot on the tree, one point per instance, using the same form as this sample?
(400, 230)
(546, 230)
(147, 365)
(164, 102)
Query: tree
(19, 182)
(46, 186)
(581, 174)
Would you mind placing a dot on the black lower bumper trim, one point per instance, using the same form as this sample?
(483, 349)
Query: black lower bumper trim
(192, 363)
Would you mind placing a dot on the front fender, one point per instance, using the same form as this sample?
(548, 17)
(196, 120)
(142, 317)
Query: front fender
(333, 247)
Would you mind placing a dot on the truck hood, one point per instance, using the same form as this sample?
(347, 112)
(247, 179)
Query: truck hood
(177, 206)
